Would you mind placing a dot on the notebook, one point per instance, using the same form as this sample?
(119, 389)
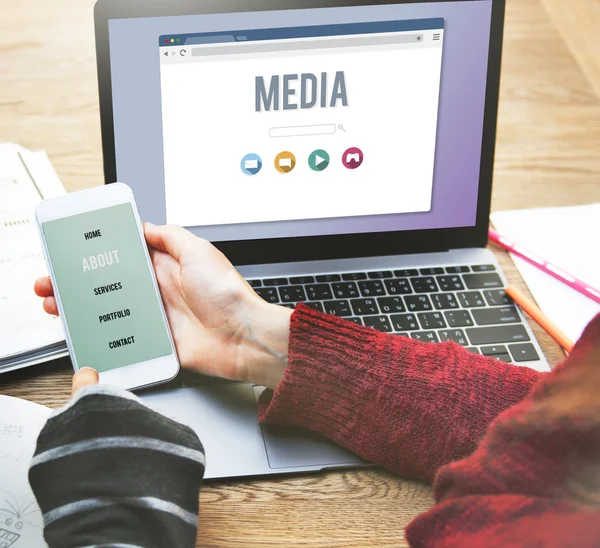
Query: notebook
(567, 237)
(21, 523)
(27, 334)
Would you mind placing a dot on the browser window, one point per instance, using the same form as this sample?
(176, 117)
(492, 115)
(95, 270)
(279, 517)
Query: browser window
(300, 123)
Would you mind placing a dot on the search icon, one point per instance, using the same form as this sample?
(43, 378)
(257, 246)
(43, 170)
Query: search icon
(342, 128)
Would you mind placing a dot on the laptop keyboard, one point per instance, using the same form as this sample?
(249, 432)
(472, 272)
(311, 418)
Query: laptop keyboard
(464, 304)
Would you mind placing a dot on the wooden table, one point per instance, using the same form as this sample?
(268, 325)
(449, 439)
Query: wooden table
(548, 155)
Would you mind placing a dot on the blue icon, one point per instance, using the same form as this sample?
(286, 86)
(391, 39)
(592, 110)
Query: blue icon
(251, 164)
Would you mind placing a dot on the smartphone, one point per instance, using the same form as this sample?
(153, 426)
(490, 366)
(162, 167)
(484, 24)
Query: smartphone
(105, 287)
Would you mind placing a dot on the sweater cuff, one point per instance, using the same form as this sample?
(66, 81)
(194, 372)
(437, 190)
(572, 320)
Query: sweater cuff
(329, 374)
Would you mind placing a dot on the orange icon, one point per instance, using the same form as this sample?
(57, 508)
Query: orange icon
(285, 162)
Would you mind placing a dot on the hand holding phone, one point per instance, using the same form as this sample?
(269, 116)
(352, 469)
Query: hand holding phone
(219, 324)
(105, 287)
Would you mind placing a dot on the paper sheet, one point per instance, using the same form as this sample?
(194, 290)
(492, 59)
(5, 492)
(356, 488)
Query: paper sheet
(567, 237)
(21, 524)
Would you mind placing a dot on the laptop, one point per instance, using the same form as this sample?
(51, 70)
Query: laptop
(339, 152)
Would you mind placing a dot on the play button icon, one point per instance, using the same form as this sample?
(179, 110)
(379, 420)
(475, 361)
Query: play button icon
(318, 160)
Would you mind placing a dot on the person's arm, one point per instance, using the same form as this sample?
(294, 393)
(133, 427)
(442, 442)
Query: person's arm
(534, 479)
(408, 405)
(109, 471)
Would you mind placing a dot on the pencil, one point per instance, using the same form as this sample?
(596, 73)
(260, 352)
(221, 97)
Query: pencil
(532, 309)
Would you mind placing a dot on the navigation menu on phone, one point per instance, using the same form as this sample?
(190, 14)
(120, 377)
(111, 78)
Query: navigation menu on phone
(112, 310)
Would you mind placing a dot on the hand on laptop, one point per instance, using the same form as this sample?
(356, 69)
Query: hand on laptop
(220, 326)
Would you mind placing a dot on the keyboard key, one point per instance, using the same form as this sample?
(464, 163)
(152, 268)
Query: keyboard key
(316, 306)
(459, 318)
(497, 334)
(398, 287)
(357, 321)
(404, 322)
(524, 352)
(275, 281)
(473, 349)
(380, 275)
(456, 335)
(424, 285)
(268, 294)
(303, 280)
(497, 297)
(444, 301)
(254, 283)
(338, 308)
(471, 299)
(450, 283)
(457, 269)
(292, 294)
(319, 292)
(345, 290)
(362, 307)
(494, 350)
(417, 303)
(381, 323)
(326, 278)
(425, 336)
(431, 271)
(490, 316)
(482, 281)
(431, 320)
(289, 305)
(501, 357)
(371, 289)
(354, 276)
(406, 272)
(389, 305)
(484, 268)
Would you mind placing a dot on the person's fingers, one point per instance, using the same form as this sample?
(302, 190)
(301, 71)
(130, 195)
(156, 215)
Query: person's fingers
(43, 287)
(170, 239)
(84, 377)
(50, 306)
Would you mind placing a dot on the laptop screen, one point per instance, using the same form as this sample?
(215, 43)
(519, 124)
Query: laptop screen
(303, 122)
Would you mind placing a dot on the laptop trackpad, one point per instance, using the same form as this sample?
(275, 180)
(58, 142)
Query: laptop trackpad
(292, 447)
(224, 417)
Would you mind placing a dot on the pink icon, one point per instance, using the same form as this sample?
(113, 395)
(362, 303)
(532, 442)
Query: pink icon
(352, 158)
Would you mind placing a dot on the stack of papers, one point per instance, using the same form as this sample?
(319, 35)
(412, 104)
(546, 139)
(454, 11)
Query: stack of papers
(28, 335)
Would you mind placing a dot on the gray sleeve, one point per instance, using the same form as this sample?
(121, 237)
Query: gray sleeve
(108, 470)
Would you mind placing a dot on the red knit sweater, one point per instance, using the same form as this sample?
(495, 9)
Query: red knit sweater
(515, 454)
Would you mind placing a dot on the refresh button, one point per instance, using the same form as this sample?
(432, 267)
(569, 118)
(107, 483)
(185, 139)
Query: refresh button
(183, 52)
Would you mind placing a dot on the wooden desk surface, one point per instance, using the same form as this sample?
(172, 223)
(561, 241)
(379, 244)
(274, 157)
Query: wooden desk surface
(548, 155)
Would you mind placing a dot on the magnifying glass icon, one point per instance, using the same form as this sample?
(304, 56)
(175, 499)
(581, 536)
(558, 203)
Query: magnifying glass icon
(342, 128)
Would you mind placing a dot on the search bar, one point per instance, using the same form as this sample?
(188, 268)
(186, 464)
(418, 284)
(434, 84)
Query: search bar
(302, 131)
(244, 48)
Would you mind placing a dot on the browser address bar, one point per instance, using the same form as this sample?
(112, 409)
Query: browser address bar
(301, 131)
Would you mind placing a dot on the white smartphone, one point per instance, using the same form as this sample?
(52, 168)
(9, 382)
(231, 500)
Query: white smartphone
(105, 287)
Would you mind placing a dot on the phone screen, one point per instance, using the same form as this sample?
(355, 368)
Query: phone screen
(111, 308)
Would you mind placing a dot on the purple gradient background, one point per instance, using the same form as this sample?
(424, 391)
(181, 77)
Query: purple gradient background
(138, 124)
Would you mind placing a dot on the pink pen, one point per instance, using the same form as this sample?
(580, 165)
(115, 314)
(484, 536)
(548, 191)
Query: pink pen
(548, 268)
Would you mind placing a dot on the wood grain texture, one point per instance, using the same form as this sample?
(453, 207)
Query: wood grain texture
(578, 27)
(548, 144)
